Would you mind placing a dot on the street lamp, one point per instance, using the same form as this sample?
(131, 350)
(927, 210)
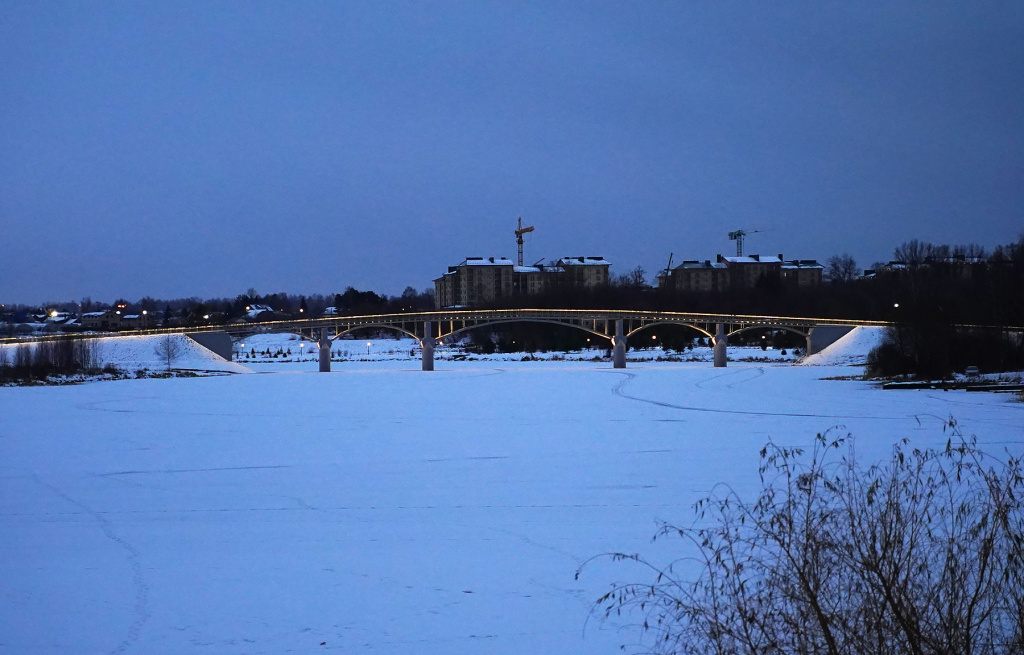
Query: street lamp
(367, 348)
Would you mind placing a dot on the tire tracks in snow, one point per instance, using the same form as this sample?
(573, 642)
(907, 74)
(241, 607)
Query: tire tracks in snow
(141, 605)
(759, 370)
(629, 377)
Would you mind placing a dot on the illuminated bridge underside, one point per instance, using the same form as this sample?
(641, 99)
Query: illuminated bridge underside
(597, 322)
(616, 326)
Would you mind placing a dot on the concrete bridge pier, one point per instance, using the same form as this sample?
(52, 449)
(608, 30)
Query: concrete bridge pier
(619, 346)
(325, 351)
(721, 343)
(428, 347)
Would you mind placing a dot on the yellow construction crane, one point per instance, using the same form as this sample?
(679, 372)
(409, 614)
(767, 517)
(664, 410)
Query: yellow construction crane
(519, 238)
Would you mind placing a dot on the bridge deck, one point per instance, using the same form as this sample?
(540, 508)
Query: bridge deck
(599, 322)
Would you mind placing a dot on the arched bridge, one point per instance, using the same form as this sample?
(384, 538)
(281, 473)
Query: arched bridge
(614, 325)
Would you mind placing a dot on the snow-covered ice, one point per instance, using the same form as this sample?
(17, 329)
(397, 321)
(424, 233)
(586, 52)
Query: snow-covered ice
(381, 509)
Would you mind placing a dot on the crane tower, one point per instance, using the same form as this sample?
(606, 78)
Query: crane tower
(737, 236)
(519, 238)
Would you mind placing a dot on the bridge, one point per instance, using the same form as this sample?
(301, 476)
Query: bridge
(615, 326)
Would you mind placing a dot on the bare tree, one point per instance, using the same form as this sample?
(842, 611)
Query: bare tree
(169, 349)
(923, 554)
(841, 268)
(913, 252)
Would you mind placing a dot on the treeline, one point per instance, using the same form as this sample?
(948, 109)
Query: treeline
(194, 311)
(39, 361)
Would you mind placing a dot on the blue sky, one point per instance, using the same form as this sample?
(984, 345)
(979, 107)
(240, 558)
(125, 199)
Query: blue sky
(175, 149)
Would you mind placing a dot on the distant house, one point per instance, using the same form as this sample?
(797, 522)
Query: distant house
(142, 321)
(257, 313)
(109, 319)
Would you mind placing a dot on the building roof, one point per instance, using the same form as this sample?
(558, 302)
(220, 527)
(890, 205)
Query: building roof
(694, 264)
(801, 263)
(583, 261)
(487, 261)
(754, 259)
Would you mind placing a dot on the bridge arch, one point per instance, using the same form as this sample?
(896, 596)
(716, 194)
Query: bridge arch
(675, 323)
(524, 320)
(380, 326)
(764, 326)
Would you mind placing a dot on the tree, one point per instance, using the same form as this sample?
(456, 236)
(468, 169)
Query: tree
(841, 268)
(169, 349)
(923, 554)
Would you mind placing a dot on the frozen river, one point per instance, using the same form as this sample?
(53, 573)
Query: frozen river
(382, 509)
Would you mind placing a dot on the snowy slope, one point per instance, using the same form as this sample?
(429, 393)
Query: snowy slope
(132, 353)
(850, 350)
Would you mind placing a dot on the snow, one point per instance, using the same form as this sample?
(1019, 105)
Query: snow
(289, 351)
(849, 350)
(487, 261)
(382, 509)
(133, 353)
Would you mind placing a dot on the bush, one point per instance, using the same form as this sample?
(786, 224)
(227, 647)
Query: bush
(923, 555)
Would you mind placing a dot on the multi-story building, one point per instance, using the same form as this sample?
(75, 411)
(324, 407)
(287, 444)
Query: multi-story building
(802, 273)
(482, 280)
(475, 281)
(748, 271)
(740, 273)
(693, 275)
(585, 271)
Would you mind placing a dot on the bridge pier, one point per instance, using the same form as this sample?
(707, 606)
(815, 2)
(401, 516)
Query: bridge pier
(428, 347)
(721, 343)
(325, 351)
(619, 346)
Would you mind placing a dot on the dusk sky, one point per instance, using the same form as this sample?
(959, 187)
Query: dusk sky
(179, 149)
